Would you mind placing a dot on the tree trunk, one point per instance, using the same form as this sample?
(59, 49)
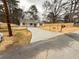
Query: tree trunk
(7, 17)
(54, 19)
(71, 15)
(75, 5)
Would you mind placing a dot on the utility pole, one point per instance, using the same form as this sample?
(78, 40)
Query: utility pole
(7, 16)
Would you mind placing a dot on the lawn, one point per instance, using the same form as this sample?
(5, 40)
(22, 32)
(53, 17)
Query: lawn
(56, 27)
(21, 36)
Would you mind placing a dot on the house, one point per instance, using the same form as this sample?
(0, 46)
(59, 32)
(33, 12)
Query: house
(33, 23)
(27, 20)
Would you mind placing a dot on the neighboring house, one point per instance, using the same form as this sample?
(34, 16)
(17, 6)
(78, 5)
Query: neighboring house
(26, 20)
(76, 20)
(33, 23)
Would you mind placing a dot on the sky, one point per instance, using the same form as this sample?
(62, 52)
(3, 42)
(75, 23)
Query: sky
(25, 4)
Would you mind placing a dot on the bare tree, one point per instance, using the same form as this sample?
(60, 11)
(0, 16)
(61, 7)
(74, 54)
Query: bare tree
(72, 8)
(54, 8)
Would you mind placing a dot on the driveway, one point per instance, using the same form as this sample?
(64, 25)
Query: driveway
(39, 34)
(63, 46)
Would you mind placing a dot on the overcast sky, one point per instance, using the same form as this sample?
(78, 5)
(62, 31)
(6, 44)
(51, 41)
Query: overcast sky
(25, 4)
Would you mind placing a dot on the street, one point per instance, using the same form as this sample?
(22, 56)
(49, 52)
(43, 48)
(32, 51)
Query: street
(51, 46)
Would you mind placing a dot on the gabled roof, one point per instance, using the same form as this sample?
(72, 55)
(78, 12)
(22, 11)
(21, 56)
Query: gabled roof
(32, 21)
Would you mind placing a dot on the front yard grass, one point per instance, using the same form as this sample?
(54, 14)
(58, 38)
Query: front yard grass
(21, 36)
(56, 27)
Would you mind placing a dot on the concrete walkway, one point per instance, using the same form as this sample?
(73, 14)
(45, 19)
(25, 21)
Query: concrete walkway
(39, 34)
(64, 46)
